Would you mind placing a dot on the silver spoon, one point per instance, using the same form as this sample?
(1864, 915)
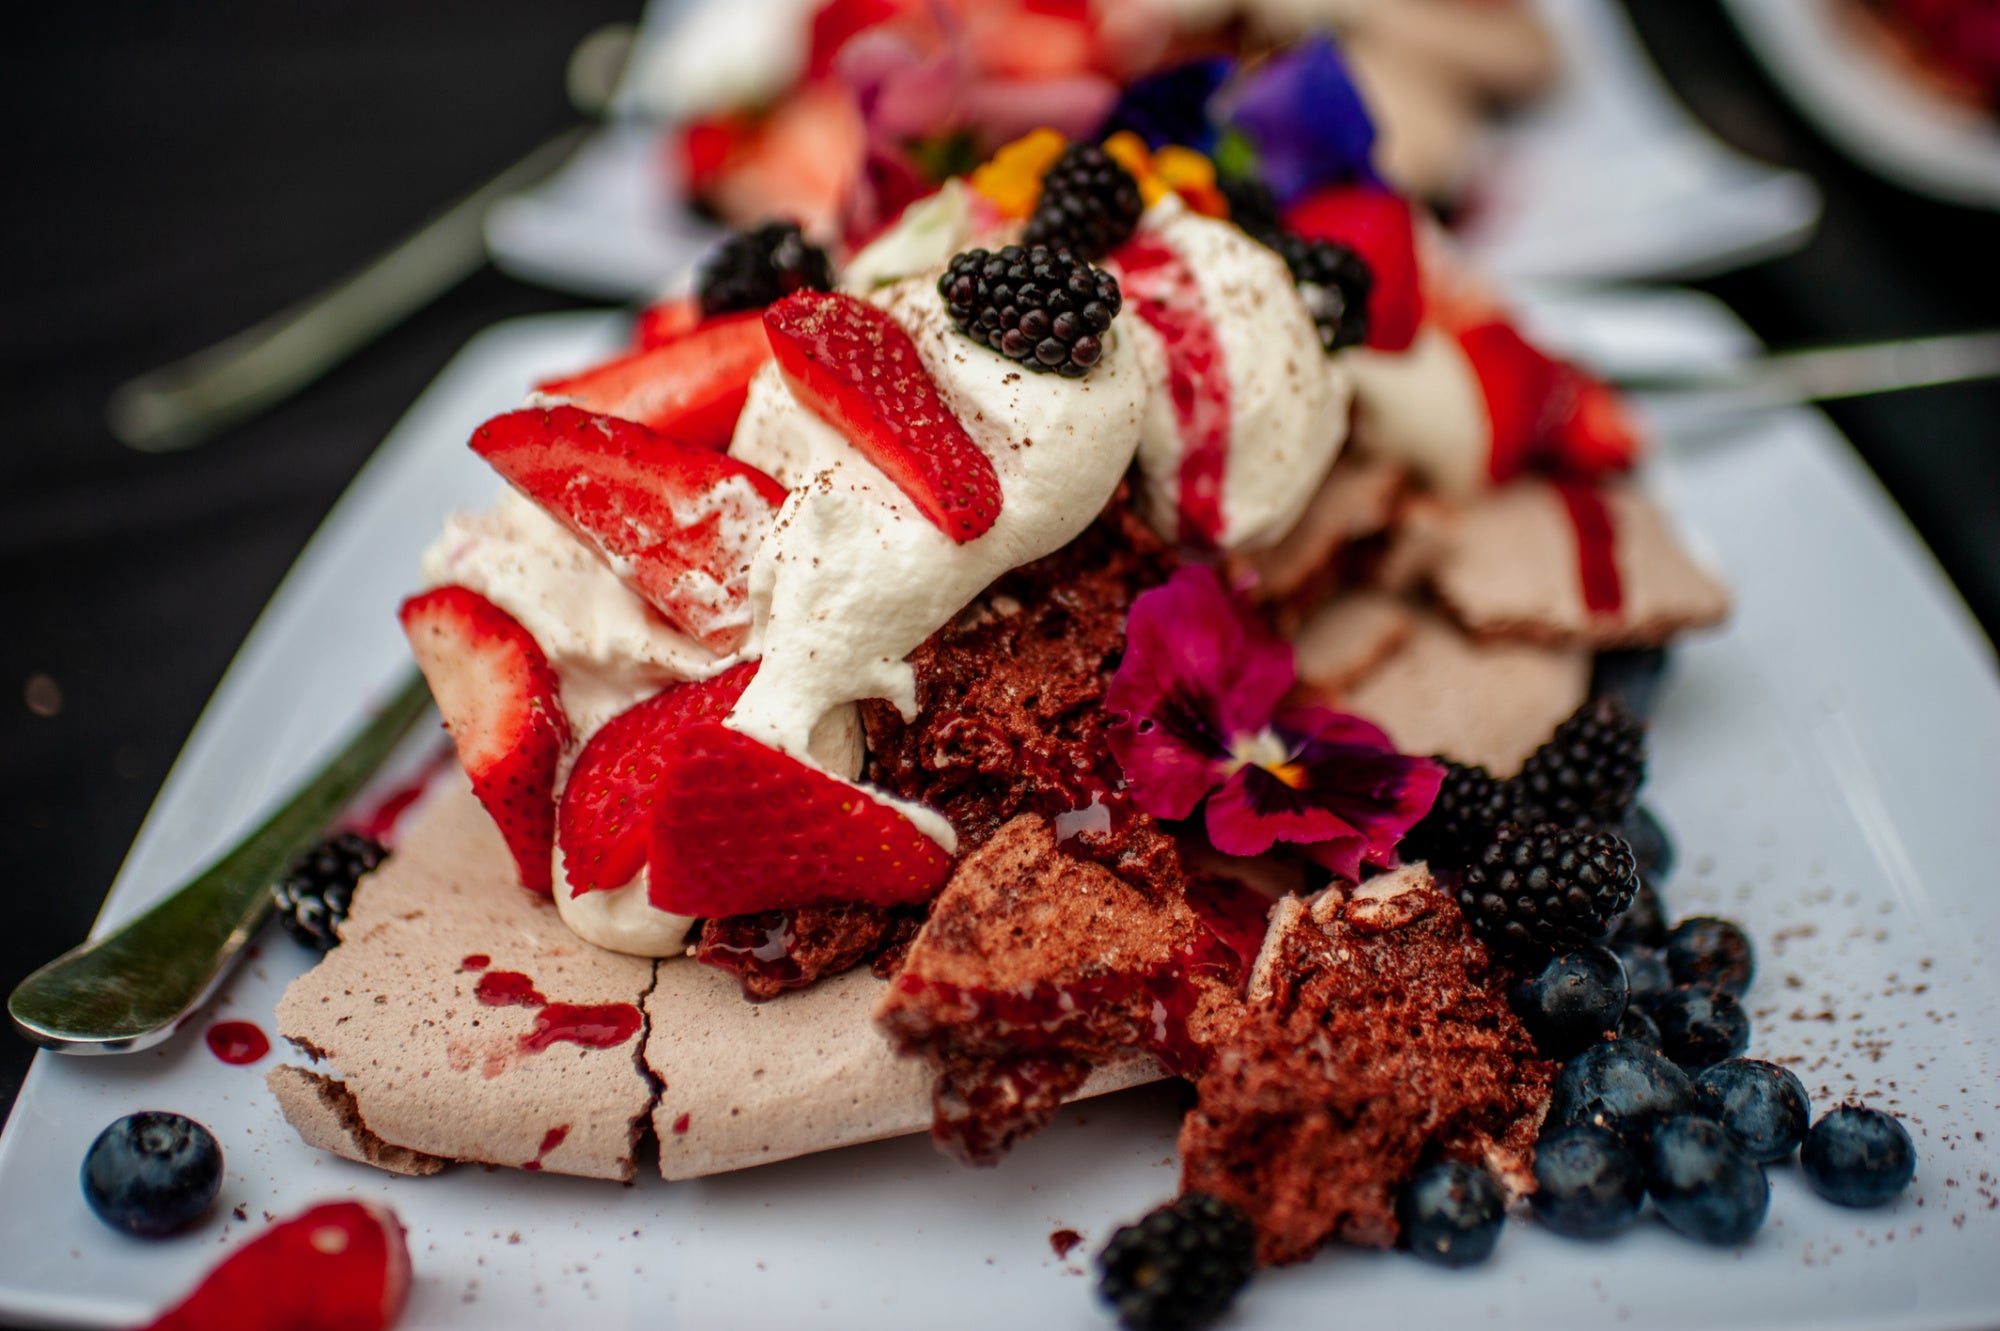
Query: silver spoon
(131, 988)
(182, 404)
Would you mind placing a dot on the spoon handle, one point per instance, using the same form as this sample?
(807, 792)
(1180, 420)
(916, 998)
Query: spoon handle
(129, 989)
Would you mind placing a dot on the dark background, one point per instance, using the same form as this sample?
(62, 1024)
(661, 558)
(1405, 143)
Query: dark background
(177, 170)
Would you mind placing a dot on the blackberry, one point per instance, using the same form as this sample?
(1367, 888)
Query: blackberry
(1180, 1267)
(754, 268)
(1534, 891)
(1471, 802)
(315, 896)
(1587, 773)
(1252, 206)
(1334, 281)
(1089, 204)
(1033, 305)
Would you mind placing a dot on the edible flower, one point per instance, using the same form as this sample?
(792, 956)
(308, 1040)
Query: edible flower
(1305, 119)
(1172, 169)
(1171, 106)
(1197, 714)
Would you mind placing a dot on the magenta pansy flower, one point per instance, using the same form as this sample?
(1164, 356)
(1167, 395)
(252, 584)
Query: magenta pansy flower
(1198, 714)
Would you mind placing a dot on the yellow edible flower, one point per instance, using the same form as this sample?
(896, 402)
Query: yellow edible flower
(1012, 179)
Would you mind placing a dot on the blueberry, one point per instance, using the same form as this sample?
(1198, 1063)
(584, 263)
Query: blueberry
(1704, 1183)
(1587, 1185)
(152, 1173)
(1620, 1087)
(1763, 1105)
(1639, 1028)
(1452, 1213)
(1573, 1002)
(1651, 846)
(1632, 677)
(1858, 1156)
(1643, 923)
(1646, 976)
(1701, 1027)
(1713, 953)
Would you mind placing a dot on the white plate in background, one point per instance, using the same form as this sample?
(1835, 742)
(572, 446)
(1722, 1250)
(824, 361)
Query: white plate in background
(1607, 178)
(1828, 766)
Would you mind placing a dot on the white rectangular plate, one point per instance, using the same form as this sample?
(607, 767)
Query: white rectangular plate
(1829, 766)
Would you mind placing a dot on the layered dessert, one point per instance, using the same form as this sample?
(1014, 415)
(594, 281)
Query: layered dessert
(1128, 619)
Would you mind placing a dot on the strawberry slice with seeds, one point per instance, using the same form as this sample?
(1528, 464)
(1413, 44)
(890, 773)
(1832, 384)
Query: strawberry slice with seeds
(855, 367)
(500, 702)
(606, 818)
(338, 1266)
(1379, 227)
(665, 321)
(679, 525)
(691, 386)
(744, 828)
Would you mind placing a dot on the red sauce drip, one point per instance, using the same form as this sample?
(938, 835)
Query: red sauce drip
(507, 989)
(237, 1042)
(379, 823)
(478, 961)
(1064, 1241)
(550, 1140)
(681, 1124)
(1596, 547)
(1161, 287)
(1236, 915)
(594, 1026)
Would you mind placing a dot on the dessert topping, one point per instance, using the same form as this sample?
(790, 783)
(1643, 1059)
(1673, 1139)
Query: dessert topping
(1544, 889)
(499, 701)
(678, 525)
(743, 828)
(1035, 305)
(1089, 204)
(1198, 717)
(1588, 772)
(605, 822)
(856, 368)
(341, 1266)
(690, 386)
(152, 1173)
(314, 895)
(753, 269)
(1180, 1267)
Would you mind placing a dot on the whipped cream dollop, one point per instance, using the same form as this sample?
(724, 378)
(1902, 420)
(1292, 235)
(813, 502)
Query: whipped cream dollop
(1424, 408)
(853, 577)
(1287, 400)
(609, 648)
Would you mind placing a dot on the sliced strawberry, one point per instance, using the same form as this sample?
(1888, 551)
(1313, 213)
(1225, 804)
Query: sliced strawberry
(1378, 226)
(802, 161)
(691, 387)
(680, 525)
(665, 321)
(338, 1266)
(1596, 435)
(745, 828)
(856, 367)
(1520, 385)
(500, 703)
(606, 818)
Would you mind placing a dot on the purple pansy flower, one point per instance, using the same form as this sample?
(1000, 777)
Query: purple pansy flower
(1171, 106)
(1198, 714)
(1304, 117)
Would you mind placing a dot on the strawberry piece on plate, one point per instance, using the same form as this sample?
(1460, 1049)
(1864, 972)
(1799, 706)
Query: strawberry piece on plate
(679, 525)
(1596, 434)
(1546, 410)
(855, 367)
(665, 321)
(338, 1266)
(500, 702)
(606, 818)
(1378, 226)
(691, 387)
(744, 828)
